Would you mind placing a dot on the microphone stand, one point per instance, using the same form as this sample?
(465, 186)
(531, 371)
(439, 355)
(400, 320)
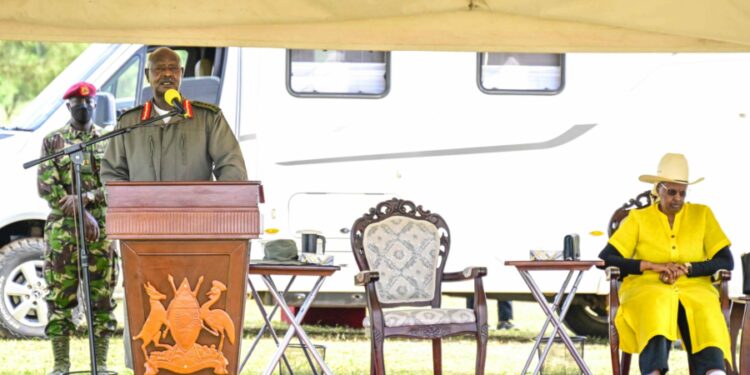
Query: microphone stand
(76, 156)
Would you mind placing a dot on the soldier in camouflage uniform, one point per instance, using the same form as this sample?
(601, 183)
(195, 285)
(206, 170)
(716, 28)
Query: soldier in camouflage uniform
(61, 269)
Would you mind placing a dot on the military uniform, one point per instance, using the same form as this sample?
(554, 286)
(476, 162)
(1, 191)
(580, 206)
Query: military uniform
(61, 271)
(192, 147)
(61, 256)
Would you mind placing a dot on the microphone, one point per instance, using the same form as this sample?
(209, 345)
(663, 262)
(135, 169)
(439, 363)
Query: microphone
(173, 98)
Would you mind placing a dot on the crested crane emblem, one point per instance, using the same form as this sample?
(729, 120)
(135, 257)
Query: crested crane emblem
(184, 320)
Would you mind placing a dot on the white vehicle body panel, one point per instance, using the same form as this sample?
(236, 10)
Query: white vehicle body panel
(509, 173)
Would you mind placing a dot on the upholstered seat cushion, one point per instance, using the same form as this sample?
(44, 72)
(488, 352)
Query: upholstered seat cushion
(421, 317)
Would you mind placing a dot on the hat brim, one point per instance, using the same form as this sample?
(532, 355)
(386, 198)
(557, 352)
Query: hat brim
(656, 179)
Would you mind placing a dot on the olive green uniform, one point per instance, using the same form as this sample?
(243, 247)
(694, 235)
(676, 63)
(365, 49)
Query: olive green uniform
(61, 271)
(195, 147)
(184, 149)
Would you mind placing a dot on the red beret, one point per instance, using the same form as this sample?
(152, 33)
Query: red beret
(80, 89)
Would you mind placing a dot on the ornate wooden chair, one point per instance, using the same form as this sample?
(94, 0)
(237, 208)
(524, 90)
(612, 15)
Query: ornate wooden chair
(401, 250)
(621, 361)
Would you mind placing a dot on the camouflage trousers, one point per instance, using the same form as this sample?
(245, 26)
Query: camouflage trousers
(61, 274)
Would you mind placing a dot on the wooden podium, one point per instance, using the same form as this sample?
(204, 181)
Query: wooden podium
(185, 250)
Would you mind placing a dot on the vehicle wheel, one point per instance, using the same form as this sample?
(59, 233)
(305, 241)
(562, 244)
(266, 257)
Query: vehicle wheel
(587, 316)
(23, 310)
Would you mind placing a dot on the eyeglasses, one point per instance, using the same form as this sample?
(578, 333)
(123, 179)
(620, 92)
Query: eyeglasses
(673, 192)
(161, 69)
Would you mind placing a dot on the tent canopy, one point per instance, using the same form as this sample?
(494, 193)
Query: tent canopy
(457, 25)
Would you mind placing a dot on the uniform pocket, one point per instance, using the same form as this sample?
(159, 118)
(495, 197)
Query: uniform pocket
(65, 169)
(87, 164)
(63, 162)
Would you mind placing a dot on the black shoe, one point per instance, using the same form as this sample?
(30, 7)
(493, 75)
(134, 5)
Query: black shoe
(504, 324)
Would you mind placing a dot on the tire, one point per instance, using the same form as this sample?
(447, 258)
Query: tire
(23, 310)
(22, 285)
(587, 316)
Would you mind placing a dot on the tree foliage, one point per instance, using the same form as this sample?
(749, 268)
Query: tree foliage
(27, 67)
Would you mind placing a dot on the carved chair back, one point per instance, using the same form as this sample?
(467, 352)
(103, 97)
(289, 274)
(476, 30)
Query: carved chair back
(408, 246)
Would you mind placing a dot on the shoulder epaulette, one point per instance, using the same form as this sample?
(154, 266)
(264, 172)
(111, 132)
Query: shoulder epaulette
(207, 106)
(136, 108)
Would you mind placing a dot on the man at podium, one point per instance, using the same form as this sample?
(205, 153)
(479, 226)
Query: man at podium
(195, 146)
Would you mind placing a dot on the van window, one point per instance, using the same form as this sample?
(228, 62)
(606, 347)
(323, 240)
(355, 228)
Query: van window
(329, 73)
(183, 57)
(521, 73)
(124, 84)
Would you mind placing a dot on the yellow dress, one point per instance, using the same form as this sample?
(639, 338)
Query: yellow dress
(648, 307)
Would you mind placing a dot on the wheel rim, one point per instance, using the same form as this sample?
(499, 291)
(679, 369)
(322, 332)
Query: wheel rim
(24, 294)
(599, 315)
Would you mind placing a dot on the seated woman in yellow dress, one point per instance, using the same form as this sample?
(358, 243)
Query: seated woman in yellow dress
(668, 251)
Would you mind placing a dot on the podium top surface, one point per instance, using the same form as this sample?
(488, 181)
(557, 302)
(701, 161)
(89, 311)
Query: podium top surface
(180, 183)
(236, 194)
(183, 210)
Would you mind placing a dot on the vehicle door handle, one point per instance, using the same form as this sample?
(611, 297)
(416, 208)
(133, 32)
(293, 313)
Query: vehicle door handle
(344, 230)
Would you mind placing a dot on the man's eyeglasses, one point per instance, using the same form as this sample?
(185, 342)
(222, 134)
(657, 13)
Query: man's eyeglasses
(161, 69)
(673, 192)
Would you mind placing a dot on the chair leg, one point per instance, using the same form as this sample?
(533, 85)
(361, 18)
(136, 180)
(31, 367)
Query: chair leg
(735, 323)
(616, 357)
(744, 364)
(377, 360)
(730, 369)
(481, 353)
(614, 352)
(625, 365)
(437, 357)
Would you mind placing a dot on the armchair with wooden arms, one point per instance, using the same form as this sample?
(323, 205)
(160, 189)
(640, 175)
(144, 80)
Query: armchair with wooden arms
(401, 250)
(621, 361)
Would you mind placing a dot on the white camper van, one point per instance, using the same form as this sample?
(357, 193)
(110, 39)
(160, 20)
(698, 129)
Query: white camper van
(514, 150)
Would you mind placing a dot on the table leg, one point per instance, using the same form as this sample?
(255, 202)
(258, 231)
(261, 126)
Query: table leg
(539, 296)
(296, 328)
(301, 344)
(561, 317)
(745, 341)
(539, 337)
(267, 323)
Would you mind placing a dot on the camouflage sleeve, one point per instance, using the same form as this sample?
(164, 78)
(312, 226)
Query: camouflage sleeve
(49, 184)
(115, 162)
(100, 197)
(229, 165)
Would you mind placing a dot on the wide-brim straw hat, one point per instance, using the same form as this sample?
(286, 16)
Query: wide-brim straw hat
(672, 168)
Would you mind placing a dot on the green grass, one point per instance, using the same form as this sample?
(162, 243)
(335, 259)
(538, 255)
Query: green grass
(348, 351)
